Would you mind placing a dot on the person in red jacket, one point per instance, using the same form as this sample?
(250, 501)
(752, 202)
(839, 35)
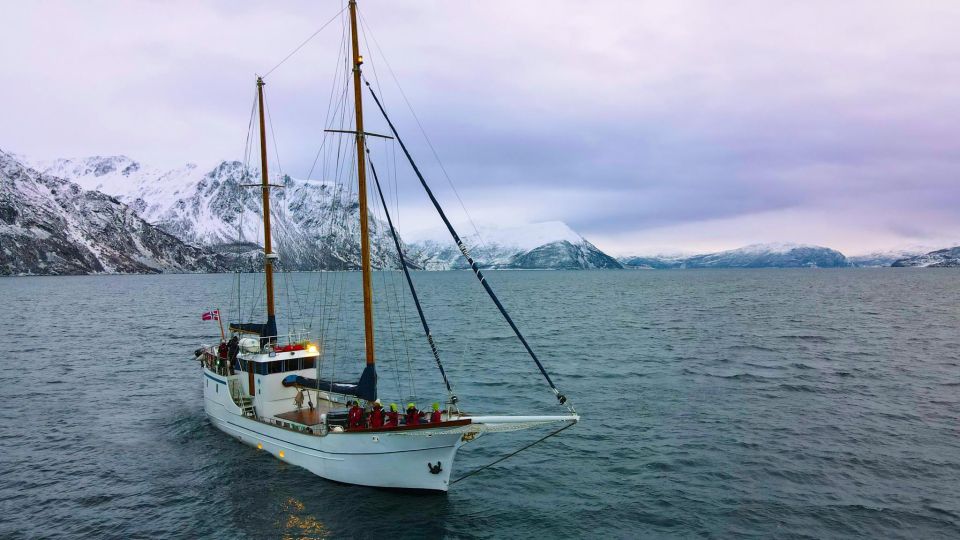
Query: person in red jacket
(435, 415)
(413, 415)
(376, 415)
(393, 417)
(355, 416)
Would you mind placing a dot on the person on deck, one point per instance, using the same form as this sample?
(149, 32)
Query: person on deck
(355, 416)
(222, 358)
(376, 415)
(413, 415)
(233, 347)
(435, 415)
(393, 417)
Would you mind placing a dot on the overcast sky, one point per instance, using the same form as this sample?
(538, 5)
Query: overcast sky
(648, 127)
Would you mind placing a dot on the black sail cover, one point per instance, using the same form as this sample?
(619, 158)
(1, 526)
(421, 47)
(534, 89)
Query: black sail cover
(267, 329)
(366, 388)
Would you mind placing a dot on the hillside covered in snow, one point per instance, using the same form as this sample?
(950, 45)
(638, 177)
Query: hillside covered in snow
(546, 245)
(49, 225)
(316, 224)
(753, 256)
(941, 258)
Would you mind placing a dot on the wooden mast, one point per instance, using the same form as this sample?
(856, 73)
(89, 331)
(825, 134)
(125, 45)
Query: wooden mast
(362, 179)
(268, 255)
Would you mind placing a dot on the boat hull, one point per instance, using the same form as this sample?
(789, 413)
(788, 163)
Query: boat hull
(400, 460)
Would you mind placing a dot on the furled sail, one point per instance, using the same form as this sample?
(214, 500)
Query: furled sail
(366, 388)
(267, 329)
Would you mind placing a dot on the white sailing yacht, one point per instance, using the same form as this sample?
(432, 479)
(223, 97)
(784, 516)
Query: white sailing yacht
(253, 387)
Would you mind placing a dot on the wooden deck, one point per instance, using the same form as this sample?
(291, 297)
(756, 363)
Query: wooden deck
(304, 417)
(308, 417)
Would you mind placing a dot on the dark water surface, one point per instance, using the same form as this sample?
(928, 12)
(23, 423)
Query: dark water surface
(768, 403)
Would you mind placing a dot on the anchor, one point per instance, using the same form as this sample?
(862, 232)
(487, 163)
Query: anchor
(435, 469)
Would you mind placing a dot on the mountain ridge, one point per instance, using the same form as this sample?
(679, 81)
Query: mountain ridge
(315, 223)
(49, 225)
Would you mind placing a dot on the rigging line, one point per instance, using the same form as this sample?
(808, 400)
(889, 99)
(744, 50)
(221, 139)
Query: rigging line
(390, 289)
(322, 280)
(313, 35)
(378, 239)
(276, 145)
(413, 290)
(422, 130)
(330, 103)
(331, 112)
(510, 455)
(246, 167)
(402, 298)
(463, 250)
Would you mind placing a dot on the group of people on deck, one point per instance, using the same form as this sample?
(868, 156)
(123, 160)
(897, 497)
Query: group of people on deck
(377, 417)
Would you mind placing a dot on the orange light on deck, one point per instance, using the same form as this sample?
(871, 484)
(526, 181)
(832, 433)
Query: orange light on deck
(281, 454)
(259, 446)
(311, 348)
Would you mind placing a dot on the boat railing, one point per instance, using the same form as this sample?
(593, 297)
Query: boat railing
(285, 340)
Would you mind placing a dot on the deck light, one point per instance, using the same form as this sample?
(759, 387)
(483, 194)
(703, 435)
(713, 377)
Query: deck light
(311, 348)
(281, 453)
(259, 446)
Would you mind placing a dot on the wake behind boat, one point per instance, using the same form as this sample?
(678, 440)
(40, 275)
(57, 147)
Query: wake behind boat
(268, 389)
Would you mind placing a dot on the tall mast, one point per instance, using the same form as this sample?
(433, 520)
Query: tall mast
(268, 255)
(362, 178)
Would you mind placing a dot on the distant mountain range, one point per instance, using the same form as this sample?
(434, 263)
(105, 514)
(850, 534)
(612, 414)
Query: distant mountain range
(793, 256)
(114, 215)
(211, 223)
(49, 225)
(753, 256)
(316, 224)
(938, 259)
(551, 245)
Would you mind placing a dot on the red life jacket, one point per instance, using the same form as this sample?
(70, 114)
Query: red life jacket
(434, 417)
(376, 417)
(354, 416)
(393, 419)
(413, 417)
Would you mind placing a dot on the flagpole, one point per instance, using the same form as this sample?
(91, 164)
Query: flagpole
(223, 336)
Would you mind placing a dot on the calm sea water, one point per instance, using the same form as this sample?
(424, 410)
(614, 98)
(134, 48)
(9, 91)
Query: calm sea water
(787, 403)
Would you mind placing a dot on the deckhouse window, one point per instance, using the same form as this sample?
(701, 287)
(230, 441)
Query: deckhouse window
(281, 366)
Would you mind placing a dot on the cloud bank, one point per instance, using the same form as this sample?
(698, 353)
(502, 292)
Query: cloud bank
(647, 126)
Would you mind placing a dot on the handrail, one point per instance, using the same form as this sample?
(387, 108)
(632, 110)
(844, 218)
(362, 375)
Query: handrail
(282, 340)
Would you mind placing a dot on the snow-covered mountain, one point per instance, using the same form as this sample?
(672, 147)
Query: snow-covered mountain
(883, 258)
(652, 262)
(546, 245)
(315, 224)
(782, 255)
(49, 225)
(949, 257)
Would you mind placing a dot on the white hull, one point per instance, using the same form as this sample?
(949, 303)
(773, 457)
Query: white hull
(381, 459)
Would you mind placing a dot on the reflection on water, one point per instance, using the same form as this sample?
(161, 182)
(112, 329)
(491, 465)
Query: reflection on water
(295, 524)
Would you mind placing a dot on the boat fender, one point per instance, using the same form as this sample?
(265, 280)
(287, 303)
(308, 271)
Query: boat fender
(435, 469)
(198, 352)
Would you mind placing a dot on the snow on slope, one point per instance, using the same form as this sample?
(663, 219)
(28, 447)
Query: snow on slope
(51, 226)
(550, 244)
(315, 223)
(941, 258)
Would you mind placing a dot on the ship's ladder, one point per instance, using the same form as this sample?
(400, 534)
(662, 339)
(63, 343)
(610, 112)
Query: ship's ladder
(242, 399)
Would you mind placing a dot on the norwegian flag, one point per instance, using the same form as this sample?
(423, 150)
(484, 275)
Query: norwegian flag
(212, 315)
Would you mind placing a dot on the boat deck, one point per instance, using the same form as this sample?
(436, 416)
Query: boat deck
(304, 416)
(311, 417)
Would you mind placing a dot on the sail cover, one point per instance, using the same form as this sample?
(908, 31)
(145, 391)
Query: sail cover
(366, 388)
(267, 329)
